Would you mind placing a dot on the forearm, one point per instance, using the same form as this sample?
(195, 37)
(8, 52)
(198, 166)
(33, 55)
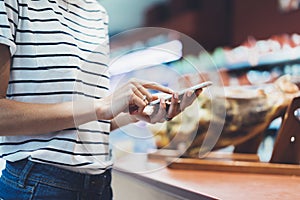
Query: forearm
(17, 118)
(122, 119)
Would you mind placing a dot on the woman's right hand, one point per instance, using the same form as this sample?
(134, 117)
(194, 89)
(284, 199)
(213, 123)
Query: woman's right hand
(131, 97)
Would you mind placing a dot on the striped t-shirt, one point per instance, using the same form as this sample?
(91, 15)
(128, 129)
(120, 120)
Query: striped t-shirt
(59, 53)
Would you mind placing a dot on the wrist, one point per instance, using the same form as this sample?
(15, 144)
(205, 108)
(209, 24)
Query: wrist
(132, 118)
(123, 119)
(102, 110)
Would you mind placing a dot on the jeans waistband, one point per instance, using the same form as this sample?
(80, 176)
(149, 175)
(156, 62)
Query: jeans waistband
(52, 175)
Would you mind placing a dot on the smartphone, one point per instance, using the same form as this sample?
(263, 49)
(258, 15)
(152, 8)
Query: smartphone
(182, 92)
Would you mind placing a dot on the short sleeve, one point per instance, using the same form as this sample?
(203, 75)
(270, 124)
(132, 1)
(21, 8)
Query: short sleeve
(8, 23)
(106, 22)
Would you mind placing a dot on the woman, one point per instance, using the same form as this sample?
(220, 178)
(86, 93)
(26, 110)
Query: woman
(55, 110)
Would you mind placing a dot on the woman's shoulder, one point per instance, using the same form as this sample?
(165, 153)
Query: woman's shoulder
(93, 5)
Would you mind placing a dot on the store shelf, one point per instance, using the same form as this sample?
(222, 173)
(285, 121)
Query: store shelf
(246, 66)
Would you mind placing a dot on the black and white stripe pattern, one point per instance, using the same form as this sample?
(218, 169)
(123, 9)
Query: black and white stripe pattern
(59, 53)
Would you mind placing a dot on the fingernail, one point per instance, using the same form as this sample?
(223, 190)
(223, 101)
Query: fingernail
(162, 103)
(189, 93)
(175, 95)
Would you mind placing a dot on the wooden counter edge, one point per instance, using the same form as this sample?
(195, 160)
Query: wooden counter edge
(235, 166)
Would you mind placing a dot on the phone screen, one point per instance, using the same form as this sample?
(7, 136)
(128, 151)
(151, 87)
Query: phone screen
(182, 92)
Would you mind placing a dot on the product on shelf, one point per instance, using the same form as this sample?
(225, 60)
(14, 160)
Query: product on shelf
(249, 111)
(276, 49)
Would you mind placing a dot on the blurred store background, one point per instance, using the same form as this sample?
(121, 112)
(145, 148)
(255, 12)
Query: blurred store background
(251, 42)
(213, 23)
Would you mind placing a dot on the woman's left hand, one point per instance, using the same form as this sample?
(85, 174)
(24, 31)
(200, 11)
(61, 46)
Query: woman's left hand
(166, 111)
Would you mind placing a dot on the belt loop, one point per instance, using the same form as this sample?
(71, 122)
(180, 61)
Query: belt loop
(25, 172)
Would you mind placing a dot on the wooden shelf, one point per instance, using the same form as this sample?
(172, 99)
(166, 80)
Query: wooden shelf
(235, 166)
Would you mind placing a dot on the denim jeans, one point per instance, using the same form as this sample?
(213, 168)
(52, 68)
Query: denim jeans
(28, 180)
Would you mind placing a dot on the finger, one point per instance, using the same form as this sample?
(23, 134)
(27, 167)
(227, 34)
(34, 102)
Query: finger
(163, 105)
(154, 97)
(198, 92)
(138, 93)
(137, 105)
(188, 98)
(142, 96)
(156, 86)
(141, 91)
(174, 107)
(189, 93)
(160, 114)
